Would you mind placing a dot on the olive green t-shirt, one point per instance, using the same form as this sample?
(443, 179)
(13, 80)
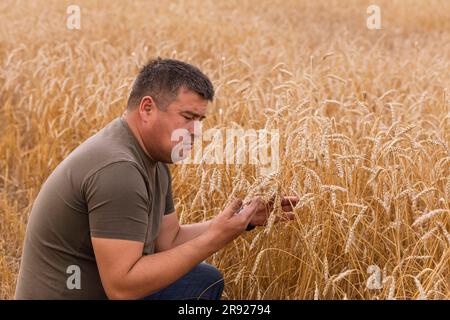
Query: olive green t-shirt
(107, 188)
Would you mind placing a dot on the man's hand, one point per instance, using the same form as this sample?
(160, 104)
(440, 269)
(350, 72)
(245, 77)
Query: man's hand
(264, 209)
(228, 225)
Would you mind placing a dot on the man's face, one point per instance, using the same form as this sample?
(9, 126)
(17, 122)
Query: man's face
(182, 113)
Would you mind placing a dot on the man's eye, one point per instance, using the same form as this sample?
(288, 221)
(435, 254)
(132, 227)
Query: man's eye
(188, 118)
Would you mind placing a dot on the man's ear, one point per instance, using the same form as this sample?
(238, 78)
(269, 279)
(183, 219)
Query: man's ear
(146, 106)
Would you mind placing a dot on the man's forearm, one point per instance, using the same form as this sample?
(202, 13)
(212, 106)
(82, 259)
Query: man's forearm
(190, 231)
(156, 271)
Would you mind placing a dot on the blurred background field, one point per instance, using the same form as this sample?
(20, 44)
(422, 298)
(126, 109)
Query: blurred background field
(363, 116)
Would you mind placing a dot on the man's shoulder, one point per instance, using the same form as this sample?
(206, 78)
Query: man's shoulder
(107, 147)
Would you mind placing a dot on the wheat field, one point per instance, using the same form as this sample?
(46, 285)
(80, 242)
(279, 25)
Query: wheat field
(363, 117)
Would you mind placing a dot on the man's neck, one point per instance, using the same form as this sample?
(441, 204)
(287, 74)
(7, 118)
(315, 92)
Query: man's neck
(133, 127)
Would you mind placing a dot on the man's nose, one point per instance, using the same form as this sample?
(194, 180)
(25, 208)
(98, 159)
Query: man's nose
(195, 134)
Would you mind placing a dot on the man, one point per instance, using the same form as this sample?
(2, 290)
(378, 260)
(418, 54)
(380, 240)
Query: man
(104, 223)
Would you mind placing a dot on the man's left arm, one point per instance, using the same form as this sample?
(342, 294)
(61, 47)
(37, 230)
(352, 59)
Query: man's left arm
(172, 234)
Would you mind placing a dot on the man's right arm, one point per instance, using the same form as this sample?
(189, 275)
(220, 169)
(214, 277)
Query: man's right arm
(126, 274)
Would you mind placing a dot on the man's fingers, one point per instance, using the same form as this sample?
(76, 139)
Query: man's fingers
(233, 207)
(287, 208)
(285, 217)
(289, 201)
(249, 210)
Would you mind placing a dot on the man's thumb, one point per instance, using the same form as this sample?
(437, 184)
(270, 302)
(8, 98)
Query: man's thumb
(249, 211)
(234, 206)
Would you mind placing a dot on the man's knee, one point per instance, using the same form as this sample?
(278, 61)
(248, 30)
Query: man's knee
(211, 273)
(214, 277)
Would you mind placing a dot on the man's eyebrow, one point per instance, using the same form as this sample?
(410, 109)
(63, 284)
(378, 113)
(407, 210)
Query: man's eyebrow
(194, 114)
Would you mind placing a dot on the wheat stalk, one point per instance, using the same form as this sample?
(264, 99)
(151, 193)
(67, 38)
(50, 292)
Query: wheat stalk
(428, 216)
(351, 233)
